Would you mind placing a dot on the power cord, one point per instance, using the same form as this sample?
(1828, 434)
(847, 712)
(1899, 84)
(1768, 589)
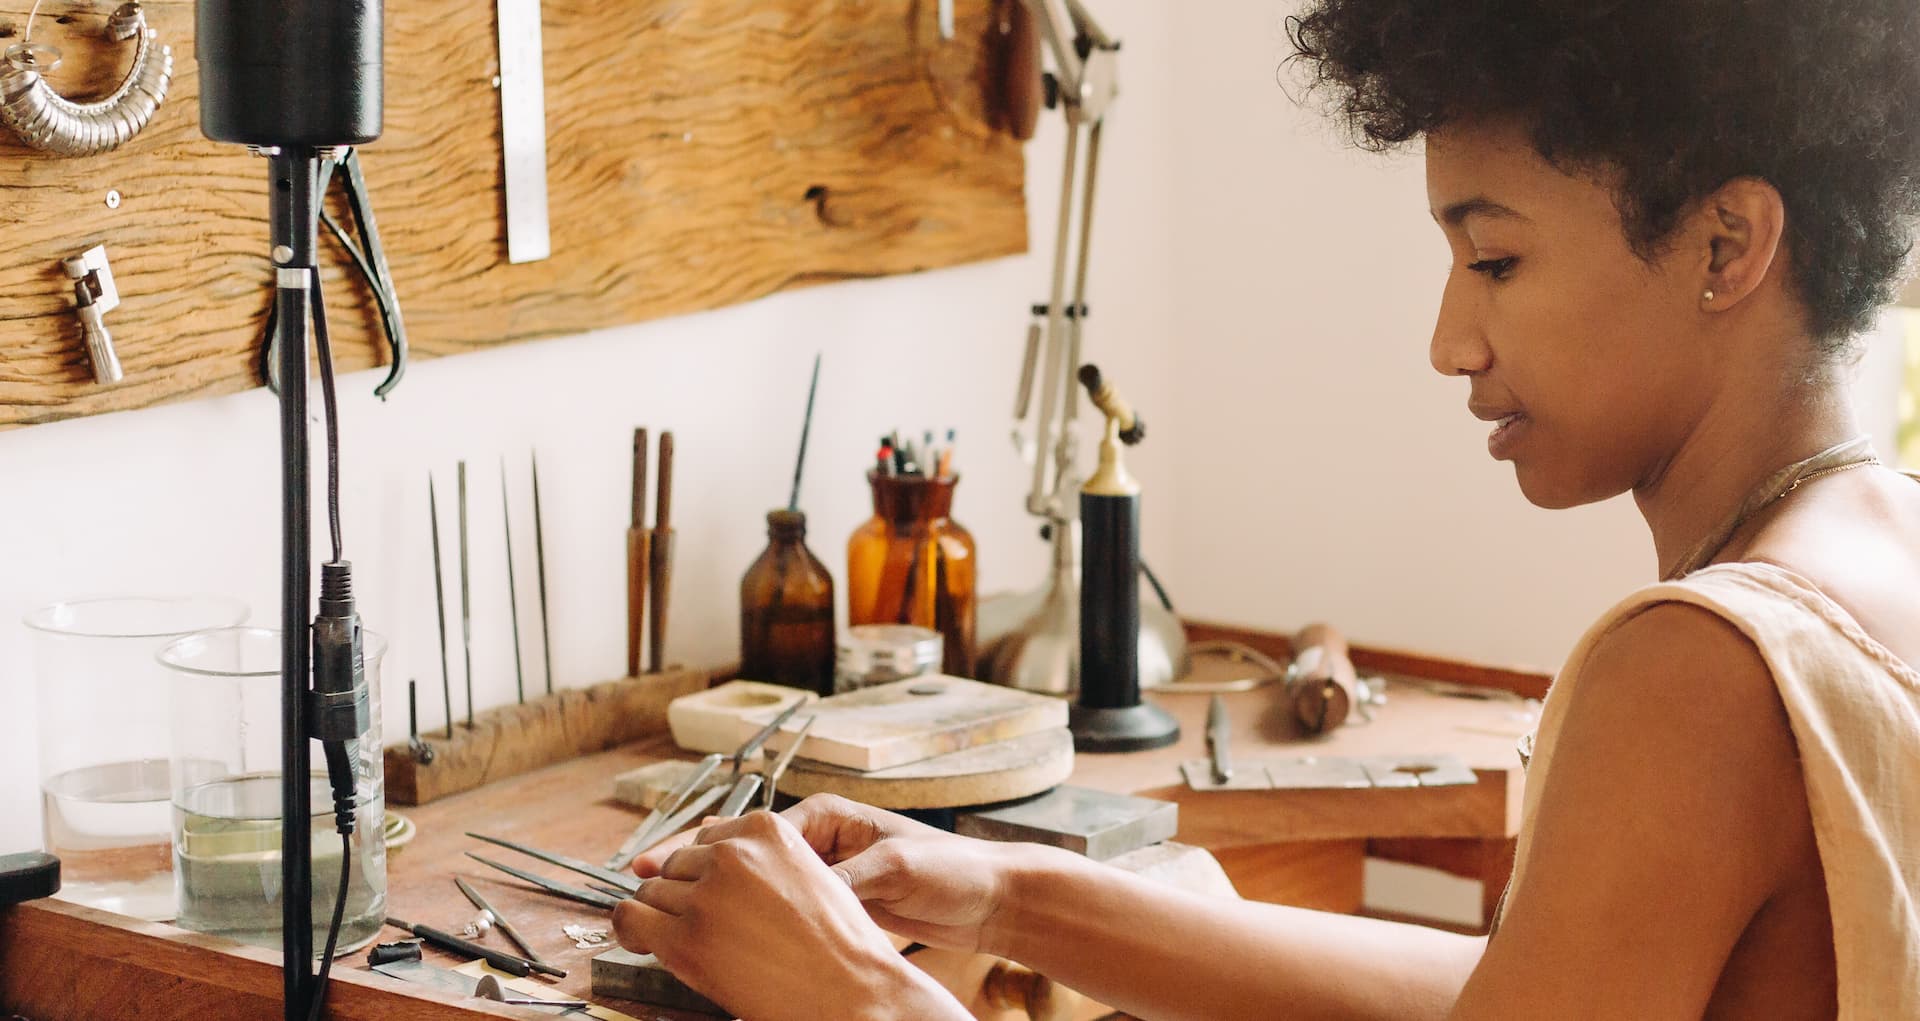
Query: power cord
(338, 703)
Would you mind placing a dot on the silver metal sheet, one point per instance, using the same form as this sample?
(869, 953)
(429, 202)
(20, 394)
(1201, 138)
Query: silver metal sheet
(1418, 771)
(1249, 776)
(523, 129)
(1098, 824)
(1317, 773)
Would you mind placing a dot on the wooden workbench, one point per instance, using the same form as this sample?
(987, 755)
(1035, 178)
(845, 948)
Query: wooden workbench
(60, 961)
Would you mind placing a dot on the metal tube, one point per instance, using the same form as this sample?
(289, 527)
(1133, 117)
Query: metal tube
(1039, 499)
(1067, 438)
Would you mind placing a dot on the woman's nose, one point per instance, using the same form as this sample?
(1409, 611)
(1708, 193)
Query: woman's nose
(1459, 345)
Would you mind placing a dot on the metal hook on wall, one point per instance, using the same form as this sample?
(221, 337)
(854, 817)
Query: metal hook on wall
(48, 121)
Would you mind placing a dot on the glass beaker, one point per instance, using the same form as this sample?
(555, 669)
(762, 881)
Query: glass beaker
(101, 713)
(912, 564)
(225, 719)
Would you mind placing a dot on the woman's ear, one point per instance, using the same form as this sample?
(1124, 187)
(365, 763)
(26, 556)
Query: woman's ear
(1742, 223)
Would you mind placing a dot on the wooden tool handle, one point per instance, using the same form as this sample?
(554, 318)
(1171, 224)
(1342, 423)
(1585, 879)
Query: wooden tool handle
(1322, 682)
(663, 505)
(639, 569)
(1020, 87)
(660, 562)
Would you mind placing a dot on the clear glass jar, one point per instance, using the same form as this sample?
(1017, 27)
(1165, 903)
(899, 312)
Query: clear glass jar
(101, 712)
(913, 564)
(225, 720)
(872, 654)
(786, 611)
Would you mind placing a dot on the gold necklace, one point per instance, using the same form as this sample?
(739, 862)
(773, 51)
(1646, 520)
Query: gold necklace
(1854, 453)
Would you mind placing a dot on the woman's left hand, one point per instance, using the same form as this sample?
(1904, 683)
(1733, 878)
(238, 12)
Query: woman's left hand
(751, 917)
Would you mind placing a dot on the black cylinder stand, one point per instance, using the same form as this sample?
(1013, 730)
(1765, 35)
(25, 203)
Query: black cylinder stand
(1110, 717)
(289, 78)
(292, 225)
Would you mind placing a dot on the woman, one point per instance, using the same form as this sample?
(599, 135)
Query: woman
(1669, 220)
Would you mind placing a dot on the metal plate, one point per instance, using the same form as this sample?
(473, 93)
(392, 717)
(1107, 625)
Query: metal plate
(1418, 771)
(1098, 824)
(523, 129)
(1317, 773)
(1248, 776)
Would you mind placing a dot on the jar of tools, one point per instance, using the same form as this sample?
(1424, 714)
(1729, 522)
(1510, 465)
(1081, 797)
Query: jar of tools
(786, 611)
(913, 564)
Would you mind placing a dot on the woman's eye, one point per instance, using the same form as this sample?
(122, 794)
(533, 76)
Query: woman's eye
(1497, 269)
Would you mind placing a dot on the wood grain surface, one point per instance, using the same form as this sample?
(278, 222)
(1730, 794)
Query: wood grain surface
(514, 739)
(699, 154)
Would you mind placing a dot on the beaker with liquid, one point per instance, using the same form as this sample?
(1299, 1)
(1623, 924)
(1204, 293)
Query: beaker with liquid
(101, 708)
(225, 719)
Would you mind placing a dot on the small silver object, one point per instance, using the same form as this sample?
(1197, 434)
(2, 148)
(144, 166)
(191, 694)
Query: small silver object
(113, 198)
(95, 295)
(50, 122)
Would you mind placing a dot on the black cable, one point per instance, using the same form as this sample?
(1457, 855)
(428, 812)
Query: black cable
(339, 768)
(333, 930)
(1158, 589)
(332, 413)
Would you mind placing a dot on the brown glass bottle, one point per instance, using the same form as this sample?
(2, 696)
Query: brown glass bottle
(912, 564)
(786, 611)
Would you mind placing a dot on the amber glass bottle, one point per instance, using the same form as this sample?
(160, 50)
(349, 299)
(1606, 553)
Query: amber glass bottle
(912, 564)
(786, 611)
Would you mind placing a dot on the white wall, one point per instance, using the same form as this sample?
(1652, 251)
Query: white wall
(1326, 472)
(185, 497)
(1262, 294)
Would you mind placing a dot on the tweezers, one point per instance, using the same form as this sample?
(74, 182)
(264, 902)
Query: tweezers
(675, 800)
(596, 898)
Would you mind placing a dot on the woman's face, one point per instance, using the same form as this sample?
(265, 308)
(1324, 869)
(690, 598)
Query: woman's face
(1583, 358)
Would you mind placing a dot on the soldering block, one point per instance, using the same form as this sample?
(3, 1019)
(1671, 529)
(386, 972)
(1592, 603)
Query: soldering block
(1098, 824)
(709, 721)
(641, 977)
(646, 786)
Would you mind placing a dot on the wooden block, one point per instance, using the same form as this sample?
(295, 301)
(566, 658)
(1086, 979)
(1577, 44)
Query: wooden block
(709, 721)
(642, 977)
(647, 786)
(992, 773)
(515, 739)
(907, 721)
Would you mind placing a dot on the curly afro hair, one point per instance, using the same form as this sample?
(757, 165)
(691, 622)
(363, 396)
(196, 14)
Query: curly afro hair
(1668, 100)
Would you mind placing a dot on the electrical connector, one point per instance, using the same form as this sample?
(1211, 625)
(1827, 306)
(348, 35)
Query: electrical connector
(338, 709)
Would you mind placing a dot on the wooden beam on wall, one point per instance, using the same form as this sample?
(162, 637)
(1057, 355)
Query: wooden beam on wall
(698, 155)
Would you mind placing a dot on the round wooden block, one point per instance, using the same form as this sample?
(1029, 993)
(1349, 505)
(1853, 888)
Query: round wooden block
(1001, 771)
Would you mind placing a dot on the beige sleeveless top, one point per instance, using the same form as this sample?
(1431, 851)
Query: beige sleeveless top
(1855, 713)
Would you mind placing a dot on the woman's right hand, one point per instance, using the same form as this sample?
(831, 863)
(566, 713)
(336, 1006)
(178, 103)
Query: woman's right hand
(916, 881)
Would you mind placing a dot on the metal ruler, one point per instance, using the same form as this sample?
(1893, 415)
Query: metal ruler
(523, 129)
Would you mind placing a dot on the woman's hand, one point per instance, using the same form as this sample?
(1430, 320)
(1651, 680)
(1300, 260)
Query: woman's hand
(751, 917)
(918, 882)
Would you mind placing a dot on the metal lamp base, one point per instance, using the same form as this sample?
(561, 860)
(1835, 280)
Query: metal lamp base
(1132, 729)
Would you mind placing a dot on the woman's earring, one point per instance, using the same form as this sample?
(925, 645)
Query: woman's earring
(1707, 298)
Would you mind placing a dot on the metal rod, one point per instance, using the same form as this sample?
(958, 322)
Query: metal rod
(466, 595)
(1040, 500)
(540, 562)
(513, 597)
(440, 604)
(599, 900)
(806, 427)
(293, 230)
(622, 880)
(1080, 274)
